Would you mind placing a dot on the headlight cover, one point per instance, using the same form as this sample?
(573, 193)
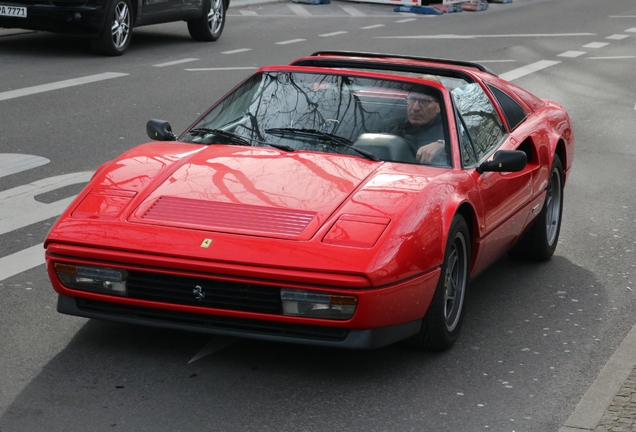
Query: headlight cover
(356, 231)
(313, 304)
(95, 279)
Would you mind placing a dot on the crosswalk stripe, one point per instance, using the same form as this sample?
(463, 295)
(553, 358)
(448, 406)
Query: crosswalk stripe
(352, 11)
(299, 10)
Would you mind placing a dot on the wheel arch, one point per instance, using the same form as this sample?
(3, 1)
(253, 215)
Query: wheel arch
(136, 7)
(467, 211)
(561, 152)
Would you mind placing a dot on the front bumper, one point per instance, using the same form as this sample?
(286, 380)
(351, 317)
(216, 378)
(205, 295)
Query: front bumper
(246, 328)
(383, 314)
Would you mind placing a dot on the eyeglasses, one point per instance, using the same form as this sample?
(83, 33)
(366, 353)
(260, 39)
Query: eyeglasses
(423, 102)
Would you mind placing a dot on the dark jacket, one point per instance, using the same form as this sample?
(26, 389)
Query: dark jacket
(419, 136)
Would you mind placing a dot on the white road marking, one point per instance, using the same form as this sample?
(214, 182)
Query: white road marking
(299, 10)
(495, 61)
(333, 34)
(18, 207)
(352, 11)
(596, 45)
(617, 37)
(11, 163)
(631, 30)
(24, 260)
(215, 344)
(406, 20)
(572, 54)
(176, 62)
(528, 69)
(372, 26)
(248, 12)
(290, 41)
(240, 50)
(454, 36)
(59, 85)
(611, 58)
(221, 69)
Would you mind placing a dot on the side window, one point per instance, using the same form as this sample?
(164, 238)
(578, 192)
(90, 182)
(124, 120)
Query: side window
(514, 113)
(478, 114)
(469, 158)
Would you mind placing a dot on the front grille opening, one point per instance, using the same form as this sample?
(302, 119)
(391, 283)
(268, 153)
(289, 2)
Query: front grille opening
(204, 292)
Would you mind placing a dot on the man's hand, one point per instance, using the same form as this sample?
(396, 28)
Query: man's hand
(426, 153)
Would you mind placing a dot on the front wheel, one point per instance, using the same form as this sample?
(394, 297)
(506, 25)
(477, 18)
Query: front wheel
(210, 26)
(445, 315)
(117, 32)
(540, 242)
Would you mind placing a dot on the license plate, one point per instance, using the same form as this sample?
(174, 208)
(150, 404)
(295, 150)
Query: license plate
(13, 11)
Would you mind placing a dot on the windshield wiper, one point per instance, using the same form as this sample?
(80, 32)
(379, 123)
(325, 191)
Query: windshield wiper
(282, 147)
(334, 139)
(234, 139)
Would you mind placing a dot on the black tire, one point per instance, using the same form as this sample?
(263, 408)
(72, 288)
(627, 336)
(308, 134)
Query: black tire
(117, 32)
(443, 320)
(210, 26)
(540, 242)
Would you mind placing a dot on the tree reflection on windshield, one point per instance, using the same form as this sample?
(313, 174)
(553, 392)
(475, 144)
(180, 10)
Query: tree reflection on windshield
(344, 106)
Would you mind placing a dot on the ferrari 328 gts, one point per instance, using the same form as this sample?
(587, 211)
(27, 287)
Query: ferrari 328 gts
(294, 210)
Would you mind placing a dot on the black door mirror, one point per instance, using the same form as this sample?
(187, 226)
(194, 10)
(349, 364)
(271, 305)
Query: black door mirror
(505, 161)
(160, 130)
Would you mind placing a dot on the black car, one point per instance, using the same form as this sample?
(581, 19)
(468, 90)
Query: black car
(108, 23)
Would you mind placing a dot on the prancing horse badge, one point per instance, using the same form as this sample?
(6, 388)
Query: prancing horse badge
(206, 243)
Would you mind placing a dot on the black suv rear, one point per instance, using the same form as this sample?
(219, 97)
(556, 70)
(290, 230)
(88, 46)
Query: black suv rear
(108, 23)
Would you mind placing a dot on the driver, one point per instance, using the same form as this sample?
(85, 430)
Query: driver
(423, 128)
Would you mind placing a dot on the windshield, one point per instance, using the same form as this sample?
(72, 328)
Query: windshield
(328, 113)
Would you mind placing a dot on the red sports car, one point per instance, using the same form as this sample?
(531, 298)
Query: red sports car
(345, 200)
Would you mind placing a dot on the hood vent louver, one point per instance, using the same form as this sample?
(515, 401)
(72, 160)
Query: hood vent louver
(212, 215)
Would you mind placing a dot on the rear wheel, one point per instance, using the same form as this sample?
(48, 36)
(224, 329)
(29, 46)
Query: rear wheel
(117, 32)
(445, 315)
(210, 26)
(540, 242)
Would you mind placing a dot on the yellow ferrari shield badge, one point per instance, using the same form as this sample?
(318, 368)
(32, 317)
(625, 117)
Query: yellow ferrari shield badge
(206, 243)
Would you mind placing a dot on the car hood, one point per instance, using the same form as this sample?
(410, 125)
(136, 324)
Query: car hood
(253, 191)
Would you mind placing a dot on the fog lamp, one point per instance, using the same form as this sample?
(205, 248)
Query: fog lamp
(96, 279)
(317, 305)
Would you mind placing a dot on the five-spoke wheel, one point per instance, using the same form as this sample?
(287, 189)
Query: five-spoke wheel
(117, 32)
(210, 26)
(540, 242)
(443, 320)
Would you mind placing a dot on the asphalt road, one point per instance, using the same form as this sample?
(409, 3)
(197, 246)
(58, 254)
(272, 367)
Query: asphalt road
(536, 335)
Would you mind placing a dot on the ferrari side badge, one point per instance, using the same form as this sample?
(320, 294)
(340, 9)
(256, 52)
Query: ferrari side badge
(206, 243)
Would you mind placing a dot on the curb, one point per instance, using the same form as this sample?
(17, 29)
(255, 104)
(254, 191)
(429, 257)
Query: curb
(590, 410)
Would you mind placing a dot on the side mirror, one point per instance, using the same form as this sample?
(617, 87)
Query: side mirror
(505, 161)
(160, 130)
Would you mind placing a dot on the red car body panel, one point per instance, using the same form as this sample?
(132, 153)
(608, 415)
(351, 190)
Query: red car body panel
(322, 222)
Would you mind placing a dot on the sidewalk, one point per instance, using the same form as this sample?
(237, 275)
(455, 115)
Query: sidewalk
(621, 414)
(609, 405)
